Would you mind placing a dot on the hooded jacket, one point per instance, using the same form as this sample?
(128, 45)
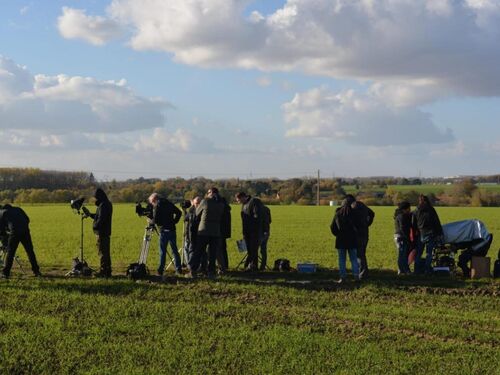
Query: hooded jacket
(252, 218)
(13, 220)
(103, 214)
(343, 227)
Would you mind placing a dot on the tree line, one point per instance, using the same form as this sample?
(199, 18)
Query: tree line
(31, 185)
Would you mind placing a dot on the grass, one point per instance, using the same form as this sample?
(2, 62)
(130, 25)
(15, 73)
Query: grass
(262, 324)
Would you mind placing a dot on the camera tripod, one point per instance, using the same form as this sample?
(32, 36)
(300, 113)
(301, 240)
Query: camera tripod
(146, 242)
(181, 250)
(3, 256)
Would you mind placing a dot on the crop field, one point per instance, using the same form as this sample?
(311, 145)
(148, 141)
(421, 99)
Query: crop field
(263, 323)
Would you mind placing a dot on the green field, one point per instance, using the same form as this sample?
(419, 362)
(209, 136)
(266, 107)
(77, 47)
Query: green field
(249, 324)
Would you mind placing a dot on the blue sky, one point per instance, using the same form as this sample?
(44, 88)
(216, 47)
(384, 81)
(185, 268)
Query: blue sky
(231, 88)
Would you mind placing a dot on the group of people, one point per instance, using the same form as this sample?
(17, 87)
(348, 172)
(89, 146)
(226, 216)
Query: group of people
(14, 229)
(350, 227)
(207, 226)
(415, 231)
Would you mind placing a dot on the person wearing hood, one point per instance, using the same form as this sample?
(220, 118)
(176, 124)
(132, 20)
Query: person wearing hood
(343, 227)
(429, 227)
(14, 228)
(402, 229)
(102, 230)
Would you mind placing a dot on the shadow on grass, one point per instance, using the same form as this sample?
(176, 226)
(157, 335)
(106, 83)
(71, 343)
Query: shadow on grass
(114, 286)
(324, 280)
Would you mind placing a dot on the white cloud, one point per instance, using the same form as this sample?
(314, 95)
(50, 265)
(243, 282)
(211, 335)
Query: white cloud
(409, 93)
(451, 45)
(64, 104)
(181, 140)
(14, 79)
(358, 119)
(24, 10)
(97, 30)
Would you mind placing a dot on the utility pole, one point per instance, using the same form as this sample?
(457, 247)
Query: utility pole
(317, 191)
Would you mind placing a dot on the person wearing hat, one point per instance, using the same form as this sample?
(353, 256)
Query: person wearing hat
(102, 230)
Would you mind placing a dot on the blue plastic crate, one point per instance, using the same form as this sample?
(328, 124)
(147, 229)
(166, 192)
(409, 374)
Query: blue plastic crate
(307, 267)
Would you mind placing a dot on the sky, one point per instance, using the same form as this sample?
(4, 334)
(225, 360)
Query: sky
(250, 89)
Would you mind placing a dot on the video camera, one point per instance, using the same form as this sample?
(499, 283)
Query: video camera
(144, 211)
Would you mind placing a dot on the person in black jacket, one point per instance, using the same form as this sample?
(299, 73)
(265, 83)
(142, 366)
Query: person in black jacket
(14, 226)
(225, 228)
(363, 216)
(252, 222)
(165, 216)
(102, 229)
(191, 223)
(402, 229)
(429, 227)
(266, 233)
(343, 227)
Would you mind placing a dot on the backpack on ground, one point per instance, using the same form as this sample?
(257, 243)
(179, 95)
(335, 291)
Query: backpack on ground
(80, 268)
(137, 271)
(282, 265)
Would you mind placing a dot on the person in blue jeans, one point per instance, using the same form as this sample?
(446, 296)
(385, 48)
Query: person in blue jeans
(165, 216)
(344, 229)
(402, 229)
(429, 227)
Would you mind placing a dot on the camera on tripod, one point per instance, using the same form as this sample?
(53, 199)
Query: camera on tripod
(147, 211)
(80, 266)
(77, 206)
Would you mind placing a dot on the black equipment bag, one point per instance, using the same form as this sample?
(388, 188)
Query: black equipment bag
(496, 269)
(80, 268)
(137, 271)
(282, 265)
